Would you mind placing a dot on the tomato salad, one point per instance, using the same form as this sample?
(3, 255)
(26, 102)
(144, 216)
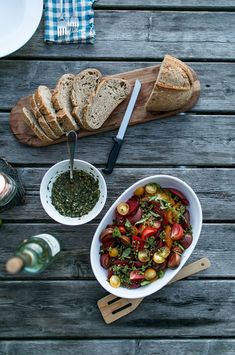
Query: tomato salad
(149, 234)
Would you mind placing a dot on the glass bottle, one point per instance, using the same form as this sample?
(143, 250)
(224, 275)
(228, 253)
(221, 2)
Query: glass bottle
(8, 189)
(34, 255)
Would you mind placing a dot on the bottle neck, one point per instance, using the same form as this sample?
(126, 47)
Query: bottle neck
(26, 259)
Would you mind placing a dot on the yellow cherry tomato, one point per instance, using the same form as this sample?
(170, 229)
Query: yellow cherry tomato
(123, 208)
(150, 274)
(115, 281)
(150, 189)
(143, 256)
(158, 259)
(113, 252)
(164, 252)
(139, 191)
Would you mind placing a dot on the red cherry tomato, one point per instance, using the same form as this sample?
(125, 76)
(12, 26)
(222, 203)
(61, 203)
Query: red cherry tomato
(177, 232)
(122, 229)
(136, 275)
(148, 232)
(137, 243)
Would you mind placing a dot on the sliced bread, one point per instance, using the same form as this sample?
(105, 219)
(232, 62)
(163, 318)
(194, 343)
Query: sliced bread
(43, 100)
(61, 99)
(84, 84)
(31, 121)
(110, 93)
(42, 121)
(173, 87)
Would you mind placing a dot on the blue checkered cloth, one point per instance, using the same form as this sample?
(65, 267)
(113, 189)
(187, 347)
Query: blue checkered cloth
(83, 10)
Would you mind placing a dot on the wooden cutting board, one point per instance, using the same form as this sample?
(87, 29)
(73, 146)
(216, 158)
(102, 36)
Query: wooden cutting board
(147, 76)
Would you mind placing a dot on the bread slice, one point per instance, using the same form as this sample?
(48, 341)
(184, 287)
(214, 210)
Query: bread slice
(41, 120)
(110, 93)
(43, 100)
(84, 84)
(31, 121)
(61, 99)
(173, 87)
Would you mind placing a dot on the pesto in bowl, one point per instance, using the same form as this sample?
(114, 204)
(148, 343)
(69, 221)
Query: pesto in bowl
(75, 198)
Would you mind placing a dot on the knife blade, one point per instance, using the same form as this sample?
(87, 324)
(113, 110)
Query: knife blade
(118, 140)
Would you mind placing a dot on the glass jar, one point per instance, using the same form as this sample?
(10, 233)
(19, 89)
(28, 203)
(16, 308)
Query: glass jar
(8, 189)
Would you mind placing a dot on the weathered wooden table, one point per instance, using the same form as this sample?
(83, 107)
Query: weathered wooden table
(55, 312)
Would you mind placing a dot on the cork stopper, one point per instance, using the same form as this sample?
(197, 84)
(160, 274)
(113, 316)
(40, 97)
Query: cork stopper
(14, 265)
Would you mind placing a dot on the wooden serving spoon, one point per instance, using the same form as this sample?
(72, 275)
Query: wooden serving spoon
(113, 307)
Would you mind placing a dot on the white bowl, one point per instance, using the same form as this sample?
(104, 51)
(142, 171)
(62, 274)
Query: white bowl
(46, 187)
(195, 219)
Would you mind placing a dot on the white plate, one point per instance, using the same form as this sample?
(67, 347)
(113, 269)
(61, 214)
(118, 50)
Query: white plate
(19, 19)
(195, 219)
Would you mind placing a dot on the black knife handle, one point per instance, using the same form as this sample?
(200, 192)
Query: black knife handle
(113, 155)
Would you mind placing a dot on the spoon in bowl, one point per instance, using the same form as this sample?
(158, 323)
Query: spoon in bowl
(71, 143)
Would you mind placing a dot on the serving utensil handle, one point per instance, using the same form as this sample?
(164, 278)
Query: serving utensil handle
(72, 143)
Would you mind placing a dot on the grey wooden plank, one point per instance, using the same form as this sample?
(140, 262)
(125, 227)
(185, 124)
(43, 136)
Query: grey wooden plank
(214, 187)
(216, 242)
(197, 34)
(217, 80)
(165, 4)
(195, 140)
(71, 347)
(68, 309)
(186, 347)
(117, 347)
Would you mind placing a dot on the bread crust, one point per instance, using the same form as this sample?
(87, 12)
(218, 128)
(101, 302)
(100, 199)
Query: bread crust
(78, 107)
(35, 126)
(173, 87)
(50, 116)
(42, 120)
(64, 115)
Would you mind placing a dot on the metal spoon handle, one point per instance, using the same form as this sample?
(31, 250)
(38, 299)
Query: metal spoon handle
(72, 143)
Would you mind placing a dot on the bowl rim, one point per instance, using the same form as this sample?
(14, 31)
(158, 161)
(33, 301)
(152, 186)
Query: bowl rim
(72, 221)
(122, 292)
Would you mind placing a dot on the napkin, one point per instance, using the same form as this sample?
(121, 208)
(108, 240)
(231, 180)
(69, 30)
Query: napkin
(83, 10)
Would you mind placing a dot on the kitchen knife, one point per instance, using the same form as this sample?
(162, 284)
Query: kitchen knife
(118, 140)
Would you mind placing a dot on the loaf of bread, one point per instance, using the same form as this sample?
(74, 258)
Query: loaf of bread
(61, 99)
(109, 94)
(84, 85)
(173, 87)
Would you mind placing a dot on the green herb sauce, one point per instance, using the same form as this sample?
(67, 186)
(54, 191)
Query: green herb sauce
(75, 198)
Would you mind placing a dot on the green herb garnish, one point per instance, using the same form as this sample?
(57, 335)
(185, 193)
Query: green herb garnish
(128, 224)
(126, 253)
(145, 282)
(75, 198)
(116, 233)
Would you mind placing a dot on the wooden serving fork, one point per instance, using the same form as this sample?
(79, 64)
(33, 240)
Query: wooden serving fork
(113, 307)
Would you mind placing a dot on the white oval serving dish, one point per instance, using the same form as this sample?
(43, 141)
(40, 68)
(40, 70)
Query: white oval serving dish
(195, 219)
